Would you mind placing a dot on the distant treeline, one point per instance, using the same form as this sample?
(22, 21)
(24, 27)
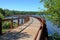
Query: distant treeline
(7, 12)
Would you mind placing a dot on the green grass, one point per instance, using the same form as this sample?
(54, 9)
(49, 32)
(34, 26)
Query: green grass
(4, 30)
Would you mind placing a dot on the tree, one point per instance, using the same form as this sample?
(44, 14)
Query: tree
(1, 16)
(2, 11)
(53, 8)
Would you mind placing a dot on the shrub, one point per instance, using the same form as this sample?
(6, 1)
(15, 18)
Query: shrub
(1, 16)
(6, 25)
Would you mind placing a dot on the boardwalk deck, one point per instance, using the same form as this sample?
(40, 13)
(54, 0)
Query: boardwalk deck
(27, 34)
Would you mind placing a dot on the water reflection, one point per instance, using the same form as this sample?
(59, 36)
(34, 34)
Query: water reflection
(50, 26)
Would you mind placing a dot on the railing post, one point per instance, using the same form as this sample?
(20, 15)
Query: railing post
(0, 26)
(25, 20)
(12, 23)
(18, 22)
(21, 20)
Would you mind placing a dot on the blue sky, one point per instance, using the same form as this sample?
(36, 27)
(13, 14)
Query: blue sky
(21, 5)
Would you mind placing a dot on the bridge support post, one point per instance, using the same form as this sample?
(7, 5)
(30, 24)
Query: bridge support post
(0, 26)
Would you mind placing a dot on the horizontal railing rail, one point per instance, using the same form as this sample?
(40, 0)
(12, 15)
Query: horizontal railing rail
(44, 33)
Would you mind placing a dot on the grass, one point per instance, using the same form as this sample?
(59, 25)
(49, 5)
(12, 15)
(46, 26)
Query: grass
(4, 30)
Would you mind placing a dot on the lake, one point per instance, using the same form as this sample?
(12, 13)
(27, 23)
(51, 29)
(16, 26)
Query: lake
(50, 26)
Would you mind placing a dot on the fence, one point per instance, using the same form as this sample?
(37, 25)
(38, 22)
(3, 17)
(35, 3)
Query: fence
(26, 19)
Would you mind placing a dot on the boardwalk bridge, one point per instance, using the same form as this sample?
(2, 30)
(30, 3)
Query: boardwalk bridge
(33, 28)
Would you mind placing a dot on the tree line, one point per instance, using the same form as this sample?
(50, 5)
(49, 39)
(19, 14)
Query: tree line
(7, 12)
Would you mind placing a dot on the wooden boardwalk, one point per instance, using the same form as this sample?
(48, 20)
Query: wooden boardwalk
(27, 31)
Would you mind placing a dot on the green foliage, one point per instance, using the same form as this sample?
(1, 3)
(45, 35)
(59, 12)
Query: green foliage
(2, 11)
(6, 25)
(6, 12)
(53, 8)
(15, 24)
(54, 36)
(1, 16)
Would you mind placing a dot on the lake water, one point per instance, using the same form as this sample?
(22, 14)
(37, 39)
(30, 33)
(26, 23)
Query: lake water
(51, 28)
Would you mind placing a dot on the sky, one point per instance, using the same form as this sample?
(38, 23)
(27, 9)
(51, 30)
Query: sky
(22, 5)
